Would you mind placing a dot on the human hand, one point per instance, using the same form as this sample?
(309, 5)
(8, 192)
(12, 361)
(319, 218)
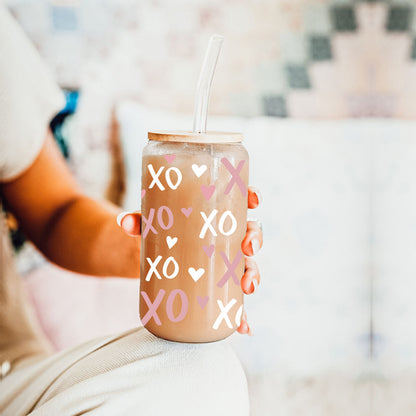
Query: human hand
(251, 244)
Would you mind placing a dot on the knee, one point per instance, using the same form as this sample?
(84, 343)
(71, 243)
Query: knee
(182, 379)
(205, 379)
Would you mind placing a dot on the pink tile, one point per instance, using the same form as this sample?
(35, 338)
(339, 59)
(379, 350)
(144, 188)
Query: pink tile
(390, 79)
(408, 85)
(406, 106)
(394, 47)
(302, 104)
(348, 48)
(390, 60)
(210, 18)
(326, 77)
(371, 18)
(371, 105)
(354, 77)
(292, 14)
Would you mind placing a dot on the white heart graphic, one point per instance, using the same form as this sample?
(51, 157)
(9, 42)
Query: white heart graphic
(196, 274)
(171, 241)
(199, 170)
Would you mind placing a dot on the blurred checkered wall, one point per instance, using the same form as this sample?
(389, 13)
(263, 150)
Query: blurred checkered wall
(284, 58)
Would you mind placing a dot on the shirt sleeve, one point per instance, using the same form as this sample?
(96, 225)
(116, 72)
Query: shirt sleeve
(29, 98)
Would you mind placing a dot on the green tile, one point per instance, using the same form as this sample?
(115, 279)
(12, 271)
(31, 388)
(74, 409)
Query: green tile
(412, 26)
(399, 2)
(270, 77)
(342, 2)
(413, 52)
(292, 47)
(246, 104)
(274, 105)
(343, 18)
(399, 18)
(320, 48)
(316, 19)
(297, 76)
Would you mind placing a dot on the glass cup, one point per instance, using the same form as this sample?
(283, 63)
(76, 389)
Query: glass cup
(194, 218)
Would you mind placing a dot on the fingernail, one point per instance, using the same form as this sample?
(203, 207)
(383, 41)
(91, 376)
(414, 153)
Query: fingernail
(255, 245)
(244, 327)
(255, 285)
(258, 194)
(120, 217)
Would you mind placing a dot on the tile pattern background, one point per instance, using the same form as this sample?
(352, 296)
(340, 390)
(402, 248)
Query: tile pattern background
(283, 58)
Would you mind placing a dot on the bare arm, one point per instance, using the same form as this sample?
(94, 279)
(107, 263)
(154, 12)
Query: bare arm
(72, 230)
(82, 235)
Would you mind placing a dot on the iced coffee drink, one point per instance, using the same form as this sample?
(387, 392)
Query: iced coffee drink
(194, 218)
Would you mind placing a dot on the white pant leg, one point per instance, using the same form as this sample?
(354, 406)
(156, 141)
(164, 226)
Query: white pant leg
(134, 373)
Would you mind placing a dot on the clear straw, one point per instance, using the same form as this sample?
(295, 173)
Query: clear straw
(204, 83)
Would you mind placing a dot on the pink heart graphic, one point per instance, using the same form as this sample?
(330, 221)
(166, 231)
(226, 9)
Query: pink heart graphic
(202, 301)
(186, 211)
(169, 158)
(209, 250)
(143, 192)
(207, 191)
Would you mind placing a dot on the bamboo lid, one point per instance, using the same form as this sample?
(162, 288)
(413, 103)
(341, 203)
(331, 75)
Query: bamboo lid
(189, 136)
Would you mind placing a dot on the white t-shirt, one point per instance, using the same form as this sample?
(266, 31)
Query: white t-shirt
(29, 98)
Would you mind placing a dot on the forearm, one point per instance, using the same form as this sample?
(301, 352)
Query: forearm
(83, 236)
(72, 230)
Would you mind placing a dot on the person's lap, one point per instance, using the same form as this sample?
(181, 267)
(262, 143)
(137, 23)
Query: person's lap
(131, 373)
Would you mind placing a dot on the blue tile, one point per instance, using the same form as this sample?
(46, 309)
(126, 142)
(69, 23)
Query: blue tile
(320, 48)
(274, 105)
(64, 18)
(297, 76)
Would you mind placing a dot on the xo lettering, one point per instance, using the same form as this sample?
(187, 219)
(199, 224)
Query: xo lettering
(153, 306)
(169, 264)
(164, 218)
(173, 177)
(226, 225)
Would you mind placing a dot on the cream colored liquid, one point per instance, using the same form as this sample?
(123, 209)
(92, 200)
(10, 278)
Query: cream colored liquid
(194, 312)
